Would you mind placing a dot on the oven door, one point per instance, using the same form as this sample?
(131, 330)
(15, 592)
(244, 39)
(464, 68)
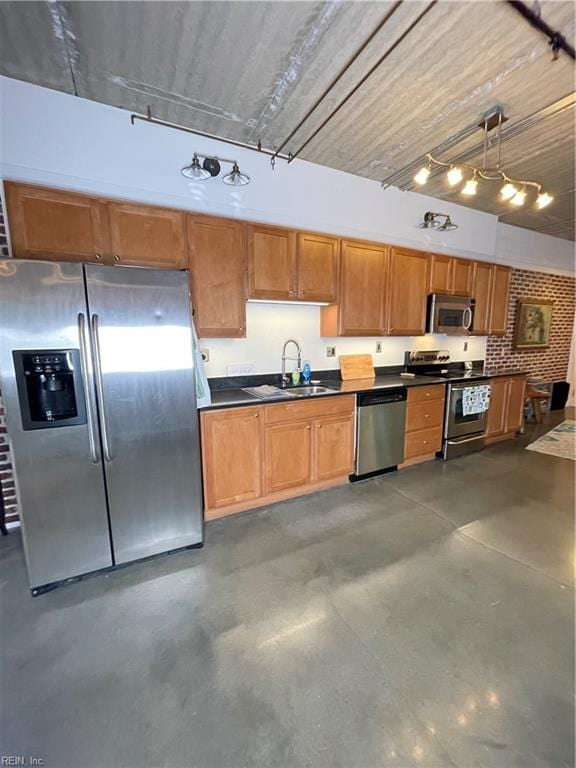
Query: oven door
(452, 315)
(457, 424)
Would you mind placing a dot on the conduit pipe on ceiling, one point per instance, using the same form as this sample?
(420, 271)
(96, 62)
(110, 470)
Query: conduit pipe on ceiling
(341, 73)
(155, 121)
(351, 93)
(556, 40)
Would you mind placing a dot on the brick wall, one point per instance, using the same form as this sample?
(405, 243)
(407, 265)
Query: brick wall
(549, 364)
(6, 476)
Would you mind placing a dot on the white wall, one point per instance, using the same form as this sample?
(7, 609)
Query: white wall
(52, 138)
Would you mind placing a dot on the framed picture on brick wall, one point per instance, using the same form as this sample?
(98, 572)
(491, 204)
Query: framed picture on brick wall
(533, 324)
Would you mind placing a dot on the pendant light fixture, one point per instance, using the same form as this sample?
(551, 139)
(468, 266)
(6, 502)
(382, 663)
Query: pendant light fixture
(514, 191)
(211, 168)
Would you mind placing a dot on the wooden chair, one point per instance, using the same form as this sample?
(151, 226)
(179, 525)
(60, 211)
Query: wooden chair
(536, 397)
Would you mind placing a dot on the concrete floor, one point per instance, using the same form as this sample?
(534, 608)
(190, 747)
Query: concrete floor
(424, 618)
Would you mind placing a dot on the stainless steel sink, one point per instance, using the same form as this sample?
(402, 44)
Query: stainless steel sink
(308, 391)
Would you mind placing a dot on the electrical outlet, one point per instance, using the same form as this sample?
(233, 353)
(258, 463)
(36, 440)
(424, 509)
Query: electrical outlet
(465, 346)
(205, 352)
(378, 347)
(330, 351)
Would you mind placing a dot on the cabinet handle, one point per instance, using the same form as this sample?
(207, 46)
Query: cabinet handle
(97, 256)
(427, 394)
(116, 258)
(256, 415)
(308, 427)
(425, 442)
(426, 415)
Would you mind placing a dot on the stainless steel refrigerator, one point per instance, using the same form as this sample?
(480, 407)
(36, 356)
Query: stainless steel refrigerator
(97, 375)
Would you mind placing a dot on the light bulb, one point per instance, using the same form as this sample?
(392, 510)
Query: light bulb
(422, 176)
(454, 176)
(518, 198)
(508, 191)
(470, 187)
(544, 199)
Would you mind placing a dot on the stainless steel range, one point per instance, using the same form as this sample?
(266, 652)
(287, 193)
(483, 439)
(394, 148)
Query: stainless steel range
(467, 399)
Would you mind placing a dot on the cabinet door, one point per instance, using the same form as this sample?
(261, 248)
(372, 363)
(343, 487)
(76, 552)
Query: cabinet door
(147, 237)
(407, 286)
(497, 409)
(333, 447)
(231, 457)
(499, 299)
(362, 289)
(217, 254)
(288, 451)
(481, 292)
(439, 273)
(53, 225)
(515, 403)
(271, 262)
(317, 267)
(462, 271)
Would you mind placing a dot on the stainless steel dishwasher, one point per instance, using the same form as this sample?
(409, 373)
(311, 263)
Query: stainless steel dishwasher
(380, 423)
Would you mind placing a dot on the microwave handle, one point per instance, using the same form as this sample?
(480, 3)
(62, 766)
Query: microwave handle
(467, 318)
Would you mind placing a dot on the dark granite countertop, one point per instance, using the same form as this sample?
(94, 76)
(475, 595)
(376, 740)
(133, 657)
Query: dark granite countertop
(236, 396)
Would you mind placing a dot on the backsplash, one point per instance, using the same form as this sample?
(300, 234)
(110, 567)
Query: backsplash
(269, 325)
(549, 364)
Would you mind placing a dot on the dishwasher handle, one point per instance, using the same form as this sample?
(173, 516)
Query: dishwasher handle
(386, 397)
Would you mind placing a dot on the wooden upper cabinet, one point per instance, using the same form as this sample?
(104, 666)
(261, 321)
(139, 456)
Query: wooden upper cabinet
(317, 267)
(144, 236)
(360, 311)
(481, 293)
(54, 225)
(217, 253)
(515, 403)
(407, 289)
(231, 459)
(439, 273)
(499, 299)
(495, 424)
(462, 273)
(271, 262)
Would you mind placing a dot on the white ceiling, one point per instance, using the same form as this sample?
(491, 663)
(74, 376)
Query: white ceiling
(249, 71)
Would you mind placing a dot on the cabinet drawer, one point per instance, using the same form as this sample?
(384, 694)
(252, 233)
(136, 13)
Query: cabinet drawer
(424, 415)
(423, 394)
(309, 409)
(422, 442)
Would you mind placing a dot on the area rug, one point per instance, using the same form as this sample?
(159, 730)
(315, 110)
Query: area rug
(560, 441)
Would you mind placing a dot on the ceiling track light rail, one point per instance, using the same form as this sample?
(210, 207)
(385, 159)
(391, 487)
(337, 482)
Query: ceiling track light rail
(556, 40)
(148, 118)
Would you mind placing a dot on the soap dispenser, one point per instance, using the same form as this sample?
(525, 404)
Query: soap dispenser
(306, 372)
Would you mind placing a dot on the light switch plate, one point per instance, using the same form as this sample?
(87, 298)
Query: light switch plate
(330, 351)
(378, 347)
(240, 369)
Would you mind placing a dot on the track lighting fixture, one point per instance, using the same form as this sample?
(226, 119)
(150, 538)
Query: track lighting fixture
(514, 191)
(211, 167)
(434, 221)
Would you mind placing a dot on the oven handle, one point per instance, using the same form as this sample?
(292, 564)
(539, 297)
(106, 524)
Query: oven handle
(467, 324)
(462, 387)
(460, 440)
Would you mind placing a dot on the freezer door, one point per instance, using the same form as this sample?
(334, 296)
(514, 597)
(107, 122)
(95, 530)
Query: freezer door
(140, 323)
(56, 453)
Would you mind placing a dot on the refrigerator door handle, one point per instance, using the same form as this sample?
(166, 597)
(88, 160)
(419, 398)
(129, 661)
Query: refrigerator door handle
(87, 390)
(100, 387)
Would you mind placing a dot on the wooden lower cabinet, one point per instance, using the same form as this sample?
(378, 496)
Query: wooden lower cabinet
(506, 411)
(333, 447)
(287, 455)
(253, 456)
(424, 420)
(231, 456)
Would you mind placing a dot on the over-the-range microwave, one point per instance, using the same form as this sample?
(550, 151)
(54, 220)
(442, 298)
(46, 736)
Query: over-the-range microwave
(453, 315)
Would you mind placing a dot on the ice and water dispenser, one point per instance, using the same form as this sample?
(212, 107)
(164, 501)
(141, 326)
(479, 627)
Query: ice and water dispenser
(50, 388)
